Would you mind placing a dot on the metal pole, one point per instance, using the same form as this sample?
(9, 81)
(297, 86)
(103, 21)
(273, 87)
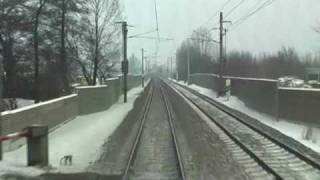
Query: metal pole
(1, 106)
(168, 68)
(188, 71)
(125, 64)
(142, 66)
(171, 67)
(221, 55)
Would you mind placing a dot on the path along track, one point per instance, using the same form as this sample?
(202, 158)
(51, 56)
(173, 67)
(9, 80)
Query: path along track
(277, 160)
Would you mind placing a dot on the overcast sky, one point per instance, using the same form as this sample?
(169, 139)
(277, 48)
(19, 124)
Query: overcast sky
(284, 23)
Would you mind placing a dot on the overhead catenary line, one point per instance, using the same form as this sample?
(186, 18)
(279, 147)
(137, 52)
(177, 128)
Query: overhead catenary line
(245, 17)
(217, 12)
(141, 34)
(156, 38)
(234, 8)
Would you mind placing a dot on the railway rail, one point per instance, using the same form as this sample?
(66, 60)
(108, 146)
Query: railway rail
(276, 158)
(130, 166)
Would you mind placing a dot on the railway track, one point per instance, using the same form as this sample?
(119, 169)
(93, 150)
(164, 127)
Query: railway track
(277, 160)
(146, 144)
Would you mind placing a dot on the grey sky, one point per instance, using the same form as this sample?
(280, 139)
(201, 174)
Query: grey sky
(284, 23)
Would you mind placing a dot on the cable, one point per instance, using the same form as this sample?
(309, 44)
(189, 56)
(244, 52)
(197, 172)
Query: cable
(159, 38)
(234, 8)
(217, 12)
(140, 34)
(244, 18)
(156, 12)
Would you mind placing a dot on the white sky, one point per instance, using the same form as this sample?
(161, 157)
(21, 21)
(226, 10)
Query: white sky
(284, 23)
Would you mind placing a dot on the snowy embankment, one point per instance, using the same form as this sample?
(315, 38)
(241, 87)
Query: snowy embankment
(295, 131)
(82, 138)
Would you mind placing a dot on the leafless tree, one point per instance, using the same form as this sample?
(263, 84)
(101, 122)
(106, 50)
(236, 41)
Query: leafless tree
(41, 5)
(102, 17)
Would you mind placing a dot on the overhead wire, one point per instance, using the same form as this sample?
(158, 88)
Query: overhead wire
(245, 17)
(140, 34)
(217, 12)
(234, 8)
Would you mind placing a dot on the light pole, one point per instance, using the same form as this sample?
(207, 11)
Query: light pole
(142, 67)
(124, 63)
(188, 66)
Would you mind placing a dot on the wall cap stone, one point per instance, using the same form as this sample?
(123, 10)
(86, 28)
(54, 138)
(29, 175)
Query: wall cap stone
(92, 87)
(26, 108)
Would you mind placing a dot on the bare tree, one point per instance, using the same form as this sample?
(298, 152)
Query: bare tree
(13, 26)
(41, 5)
(103, 14)
(202, 39)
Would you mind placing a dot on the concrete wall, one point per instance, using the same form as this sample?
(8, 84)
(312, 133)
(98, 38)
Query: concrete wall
(300, 105)
(209, 81)
(294, 104)
(115, 87)
(56, 111)
(98, 98)
(93, 98)
(49, 113)
(133, 81)
(258, 94)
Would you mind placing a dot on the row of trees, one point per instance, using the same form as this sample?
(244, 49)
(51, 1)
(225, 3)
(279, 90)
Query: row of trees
(45, 45)
(203, 56)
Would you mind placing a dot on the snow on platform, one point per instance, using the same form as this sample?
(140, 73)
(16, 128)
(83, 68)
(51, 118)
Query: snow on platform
(295, 131)
(82, 137)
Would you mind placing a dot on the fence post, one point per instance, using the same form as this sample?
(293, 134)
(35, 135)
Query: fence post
(37, 145)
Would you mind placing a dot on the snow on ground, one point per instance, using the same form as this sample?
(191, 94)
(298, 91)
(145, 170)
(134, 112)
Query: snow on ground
(296, 131)
(82, 137)
(24, 102)
(6, 168)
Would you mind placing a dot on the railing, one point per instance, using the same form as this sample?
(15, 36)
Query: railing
(37, 144)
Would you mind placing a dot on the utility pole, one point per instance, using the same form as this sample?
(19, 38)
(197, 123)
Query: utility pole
(146, 62)
(125, 63)
(1, 106)
(222, 54)
(168, 68)
(142, 68)
(188, 70)
(221, 59)
(171, 67)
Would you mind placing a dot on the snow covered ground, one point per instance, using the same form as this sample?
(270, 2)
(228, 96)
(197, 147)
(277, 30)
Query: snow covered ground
(82, 138)
(296, 131)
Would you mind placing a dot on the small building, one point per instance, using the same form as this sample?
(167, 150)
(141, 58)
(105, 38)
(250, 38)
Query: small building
(312, 74)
